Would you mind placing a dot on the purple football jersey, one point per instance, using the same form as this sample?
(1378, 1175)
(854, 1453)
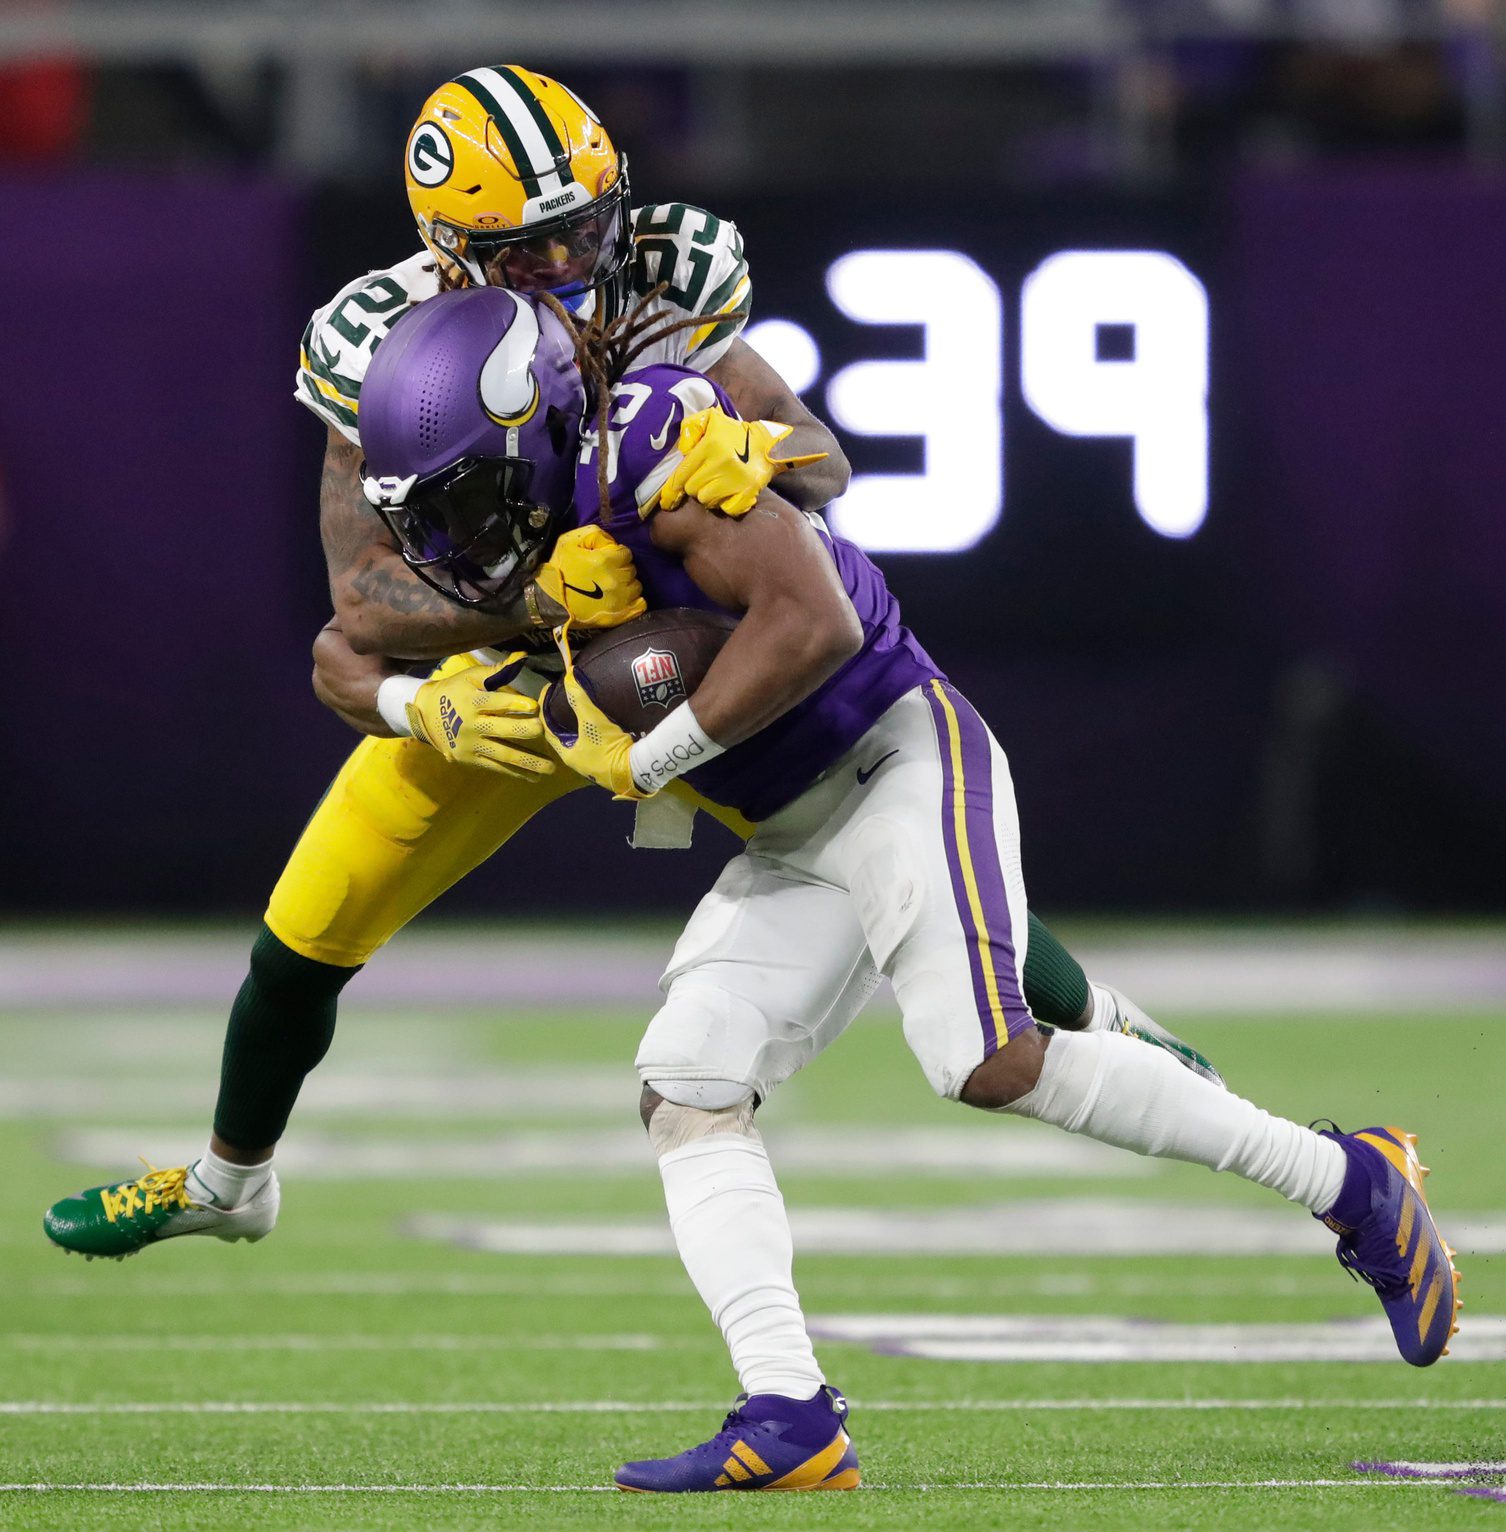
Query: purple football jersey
(761, 775)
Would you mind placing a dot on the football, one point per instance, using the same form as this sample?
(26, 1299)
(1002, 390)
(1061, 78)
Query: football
(638, 672)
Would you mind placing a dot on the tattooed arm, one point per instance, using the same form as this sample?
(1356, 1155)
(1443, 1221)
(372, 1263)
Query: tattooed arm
(347, 682)
(761, 394)
(381, 605)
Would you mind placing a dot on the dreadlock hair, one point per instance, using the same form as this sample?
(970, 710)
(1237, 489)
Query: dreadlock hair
(604, 352)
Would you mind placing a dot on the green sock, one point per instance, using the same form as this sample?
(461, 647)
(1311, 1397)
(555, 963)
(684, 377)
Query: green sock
(1056, 988)
(281, 1025)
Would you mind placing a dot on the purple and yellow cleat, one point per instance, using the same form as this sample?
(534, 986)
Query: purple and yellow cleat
(767, 1442)
(1392, 1242)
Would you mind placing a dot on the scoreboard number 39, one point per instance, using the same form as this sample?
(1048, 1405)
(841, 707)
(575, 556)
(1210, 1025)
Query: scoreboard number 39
(1113, 343)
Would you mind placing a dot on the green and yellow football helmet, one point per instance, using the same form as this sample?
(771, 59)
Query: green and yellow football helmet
(515, 183)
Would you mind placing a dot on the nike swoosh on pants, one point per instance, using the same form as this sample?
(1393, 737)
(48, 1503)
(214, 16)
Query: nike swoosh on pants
(864, 777)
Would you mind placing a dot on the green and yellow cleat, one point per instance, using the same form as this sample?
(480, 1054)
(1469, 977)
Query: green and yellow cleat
(116, 1221)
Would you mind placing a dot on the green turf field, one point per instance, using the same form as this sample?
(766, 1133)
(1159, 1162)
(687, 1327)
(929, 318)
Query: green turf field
(465, 1318)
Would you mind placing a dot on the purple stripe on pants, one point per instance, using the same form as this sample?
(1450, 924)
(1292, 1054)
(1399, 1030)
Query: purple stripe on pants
(995, 951)
(944, 737)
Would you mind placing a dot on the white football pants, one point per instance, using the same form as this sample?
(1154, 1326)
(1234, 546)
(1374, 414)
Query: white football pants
(907, 849)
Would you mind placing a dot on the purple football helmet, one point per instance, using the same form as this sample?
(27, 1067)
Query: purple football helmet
(470, 418)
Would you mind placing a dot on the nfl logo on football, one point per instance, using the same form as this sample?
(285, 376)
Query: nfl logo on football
(657, 673)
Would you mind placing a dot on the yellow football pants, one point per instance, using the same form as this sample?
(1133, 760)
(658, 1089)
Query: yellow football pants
(398, 826)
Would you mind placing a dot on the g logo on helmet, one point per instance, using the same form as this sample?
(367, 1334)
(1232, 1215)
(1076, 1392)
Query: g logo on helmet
(431, 157)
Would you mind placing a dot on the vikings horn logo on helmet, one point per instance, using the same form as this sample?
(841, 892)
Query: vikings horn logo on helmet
(509, 391)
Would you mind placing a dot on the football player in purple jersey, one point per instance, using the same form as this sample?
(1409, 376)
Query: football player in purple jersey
(515, 185)
(885, 836)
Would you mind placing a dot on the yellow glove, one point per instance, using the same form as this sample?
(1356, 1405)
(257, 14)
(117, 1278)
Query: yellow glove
(728, 463)
(590, 580)
(472, 724)
(599, 749)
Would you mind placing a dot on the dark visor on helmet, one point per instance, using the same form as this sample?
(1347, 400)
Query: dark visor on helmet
(574, 253)
(472, 531)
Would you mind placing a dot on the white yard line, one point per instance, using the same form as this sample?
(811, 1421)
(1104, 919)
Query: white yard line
(1002, 1486)
(861, 1153)
(1131, 1484)
(222, 1343)
(405, 1089)
(940, 1337)
(1063, 1284)
(1136, 1484)
(680, 1407)
(1113, 1338)
(1058, 1227)
(345, 1489)
(506, 968)
(553, 1286)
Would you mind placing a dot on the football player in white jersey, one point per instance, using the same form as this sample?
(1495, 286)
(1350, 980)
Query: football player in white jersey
(513, 182)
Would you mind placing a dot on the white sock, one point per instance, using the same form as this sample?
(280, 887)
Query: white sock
(220, 1184)
(1115, 1089)
(730, 1226)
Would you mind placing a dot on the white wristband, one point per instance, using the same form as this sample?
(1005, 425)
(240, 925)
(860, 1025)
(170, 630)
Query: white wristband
(676, 745)
(393, 697)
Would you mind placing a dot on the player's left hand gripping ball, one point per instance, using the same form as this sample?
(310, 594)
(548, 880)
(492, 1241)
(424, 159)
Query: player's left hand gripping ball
(599, 749)
(590, 580)
(473, 718)
(728, 463)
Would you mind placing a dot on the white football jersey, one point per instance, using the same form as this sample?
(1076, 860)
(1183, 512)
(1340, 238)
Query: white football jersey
(699, 256)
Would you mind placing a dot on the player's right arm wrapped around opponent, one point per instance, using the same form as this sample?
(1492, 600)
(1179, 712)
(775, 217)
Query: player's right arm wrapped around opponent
(589, 579)
(474, 717)
(728, 462)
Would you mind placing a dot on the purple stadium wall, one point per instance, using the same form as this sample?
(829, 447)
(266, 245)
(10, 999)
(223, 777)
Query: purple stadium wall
(162, 578)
